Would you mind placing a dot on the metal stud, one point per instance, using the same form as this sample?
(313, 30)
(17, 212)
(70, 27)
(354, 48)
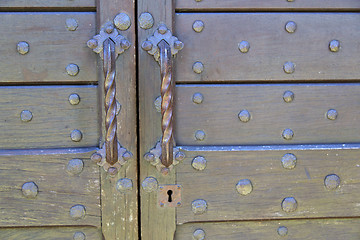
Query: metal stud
(244, 46)
(74, 99)
(199, 206)
(288, 96)
(30, 190)
(79, 236)
(244, 187)
(124, 185)
(150, 184)
(289, 67)
(178, 45)
(334, 45)
(288, 161)
(71, 24)
(199, 234)
(200, 135)
(282, 231)
(244, 116)
(76, 135)
(162, 29)
(290, 27)
(109, 28)
(125, 44)
(92, 43)
(198, 67)
(146, 20)
(331, 114)
(22, 47)
(179, 156)
(72, 69)
(26, 116)
(77, 211)
(122, 21)
(96, 157)
(112, 171)
(288, 134)
(127, 156)
(289, 204)
(332, 181)
(75, 166)
(198, 26)
(147, 45)
(197, 98)
(199, 163)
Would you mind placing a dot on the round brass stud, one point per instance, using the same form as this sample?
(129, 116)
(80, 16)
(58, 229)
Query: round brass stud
(288, 161)
(199, 163)
(23, 47)
(288, 96)
(244, 187)
(200, 135)
(74, 99)
(178, 45)
(109, 28)
(244, 46)
(125, 44)
(198, 67)
(76, 135)
(150, 184)
(122, 21)
(71, 24)
(127, 156)
(124, 185)
(146, 20)
(162, 29)
(96, 157)
(180, 156)
(282, 231)
(332, 181)
(92, 43)
(30, 190)
(79, 236)
(288, 134)
(331, 114)
(149, 157)
(199, 206)
(289, 204)
(334, 45)
(197, 98)
(77, 211)
(146, 45)
(112, 171)
(289, 67)
(290, 27)
(199, 234)
(244, 116)
(75, 166)
(26, 116)
(72, 69)
(198, 26)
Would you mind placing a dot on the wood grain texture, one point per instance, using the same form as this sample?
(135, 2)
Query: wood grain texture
(53, 117)
(270, 47)
(44, 4)
(306, 116)
(329, 229)
(58, 190)
(52, 48)
(271, 183)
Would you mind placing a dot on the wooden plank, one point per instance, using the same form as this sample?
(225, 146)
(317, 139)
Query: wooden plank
(271, 182)
(270, 115)
(52, 48)
(247, 5)
(329, 229)
(53, 117)
(271, 46)
(58, 190)
(44, 4)
(58, 233)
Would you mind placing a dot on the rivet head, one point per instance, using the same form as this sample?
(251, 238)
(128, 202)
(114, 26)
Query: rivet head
(331, 114)
(282, 231)
(150, 184)
(288, 134)
(180, 156)
(79, 236)
(178, 45)
(112, 171)
(23, 47)
(332, 181)
(165, 171)
(149, 157)
(92, 43)
(334, 45)
(244, 46)
(71, 24)
(124, 185)
(289, 67)
(29, 190)
(75, 166)
(199, 206)
(76, 135)
(147, 45)
(197, 98)
(198, 67)
(244, 187)
(244, 116)
(74, 99)
(198, 26)
(72, 69)
(109, 28)
(122, 21)
(125, 44)
(77, 211)
(289, 204)
(200, 135)
(288, 161)
(290, 27)
(127, 156)
(26, 116)
(162, 29)
(96, 157)
(199, 234)
(199, 163)
(288, 96)
(146, 20)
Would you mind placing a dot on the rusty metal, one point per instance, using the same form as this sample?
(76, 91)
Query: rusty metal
(169, 195)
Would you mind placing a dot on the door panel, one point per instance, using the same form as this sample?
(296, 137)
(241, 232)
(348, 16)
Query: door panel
(58, 4)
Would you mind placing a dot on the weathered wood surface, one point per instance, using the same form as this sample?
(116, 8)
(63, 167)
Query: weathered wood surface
(270, 47)
(52, 47)
(58, 190)
(271, 182)
(270, 115)
(55, 233)
(329, 229)
(46, 4)
(53, 117)
(266, 5)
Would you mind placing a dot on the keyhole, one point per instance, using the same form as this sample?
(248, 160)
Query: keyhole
(170, 192)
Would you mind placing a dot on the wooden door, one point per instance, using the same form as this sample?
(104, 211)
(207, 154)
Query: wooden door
(265, 115)
(52, 122)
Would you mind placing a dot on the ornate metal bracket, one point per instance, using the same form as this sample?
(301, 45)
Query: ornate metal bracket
(163, 45)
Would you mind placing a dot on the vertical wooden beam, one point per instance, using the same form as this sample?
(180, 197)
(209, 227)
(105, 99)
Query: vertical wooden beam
(119, 210)
(156, 223)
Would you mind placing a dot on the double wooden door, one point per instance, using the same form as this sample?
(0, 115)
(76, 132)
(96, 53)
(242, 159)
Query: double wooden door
(223, 119)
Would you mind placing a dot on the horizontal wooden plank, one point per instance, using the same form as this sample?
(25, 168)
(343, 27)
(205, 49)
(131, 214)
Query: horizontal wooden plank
(58, 233)
(52, 47)
(53, 117)
(271, 46)
(247, 5)
(329, 229)
(271, 183)
(270, 115)
(47, 4)
(58, 190)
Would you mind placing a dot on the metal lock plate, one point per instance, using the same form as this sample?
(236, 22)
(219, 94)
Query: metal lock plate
(169, 195)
